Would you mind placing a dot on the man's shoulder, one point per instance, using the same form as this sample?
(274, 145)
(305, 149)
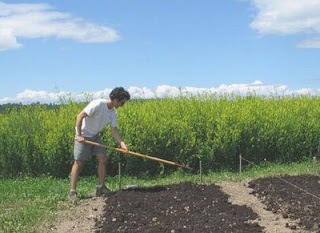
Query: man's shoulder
(100, 100)
(97, 102)
(94, 105)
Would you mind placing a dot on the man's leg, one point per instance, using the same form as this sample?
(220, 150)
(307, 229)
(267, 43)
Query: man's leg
(102, 161)
(75, 171)
(102, 189)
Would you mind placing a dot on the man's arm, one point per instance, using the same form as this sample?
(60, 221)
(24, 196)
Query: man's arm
(80, 117)
(118, 139)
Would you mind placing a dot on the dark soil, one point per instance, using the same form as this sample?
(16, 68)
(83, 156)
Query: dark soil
(290, 201)
(185, 207)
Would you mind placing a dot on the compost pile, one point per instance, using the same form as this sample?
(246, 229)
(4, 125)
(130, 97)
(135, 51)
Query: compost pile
(185, 207)
(290, 201)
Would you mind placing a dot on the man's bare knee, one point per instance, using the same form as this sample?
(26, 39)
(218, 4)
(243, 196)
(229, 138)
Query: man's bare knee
(102, 158)
(77, 165)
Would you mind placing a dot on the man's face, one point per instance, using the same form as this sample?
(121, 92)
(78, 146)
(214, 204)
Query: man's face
(120, 103)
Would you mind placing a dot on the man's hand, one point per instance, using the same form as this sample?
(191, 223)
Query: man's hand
(124, 146)
(80, 138)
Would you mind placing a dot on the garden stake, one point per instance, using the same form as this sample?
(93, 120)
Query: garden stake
(119, 166)
(200, 165)
(137, 154)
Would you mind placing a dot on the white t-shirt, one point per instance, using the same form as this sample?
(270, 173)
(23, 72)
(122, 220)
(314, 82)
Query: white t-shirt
(99, 115)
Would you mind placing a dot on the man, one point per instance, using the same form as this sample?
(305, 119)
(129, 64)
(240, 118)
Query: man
(90, 122)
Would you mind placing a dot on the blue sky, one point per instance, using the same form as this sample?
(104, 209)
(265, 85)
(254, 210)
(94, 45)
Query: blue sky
(156, 48)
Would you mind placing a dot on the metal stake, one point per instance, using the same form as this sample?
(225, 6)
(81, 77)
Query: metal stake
(119, 167)
(200, 171)
(240, 164)
(314, 165)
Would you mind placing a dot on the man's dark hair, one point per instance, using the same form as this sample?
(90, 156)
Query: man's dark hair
(119, 93)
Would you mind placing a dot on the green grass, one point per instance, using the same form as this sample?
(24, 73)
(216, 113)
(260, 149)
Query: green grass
(29, 202)
(26, 202)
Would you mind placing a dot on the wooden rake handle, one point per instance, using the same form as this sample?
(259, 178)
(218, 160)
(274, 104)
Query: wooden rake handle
(136, 154)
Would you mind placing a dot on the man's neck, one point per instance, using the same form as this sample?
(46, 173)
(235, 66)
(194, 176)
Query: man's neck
(110, 103)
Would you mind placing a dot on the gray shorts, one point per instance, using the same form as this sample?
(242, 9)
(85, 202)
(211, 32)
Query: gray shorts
(83, 151)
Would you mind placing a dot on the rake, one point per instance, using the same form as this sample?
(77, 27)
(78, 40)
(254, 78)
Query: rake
(137, 154)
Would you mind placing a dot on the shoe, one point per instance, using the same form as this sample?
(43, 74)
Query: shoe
(72, 195)
(103, 191)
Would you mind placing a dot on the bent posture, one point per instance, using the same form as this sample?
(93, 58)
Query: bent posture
(90, 122)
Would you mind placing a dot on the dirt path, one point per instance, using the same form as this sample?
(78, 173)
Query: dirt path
(80, 217)
(240, 195)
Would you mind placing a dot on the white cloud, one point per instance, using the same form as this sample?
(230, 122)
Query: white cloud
(143, 93)
(30, 96)
(163, 91)
(8, 40)
(42, 21)
(315, 43)
(167, 91)
(286, 17)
